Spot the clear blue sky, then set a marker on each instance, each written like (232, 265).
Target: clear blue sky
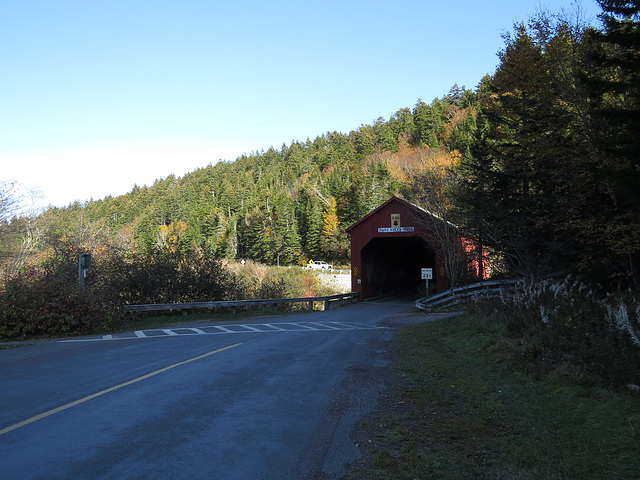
(99, 95)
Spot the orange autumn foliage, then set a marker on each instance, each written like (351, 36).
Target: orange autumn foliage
(411, 162)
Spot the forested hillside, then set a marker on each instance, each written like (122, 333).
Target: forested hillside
(284, 206)
(540, 162)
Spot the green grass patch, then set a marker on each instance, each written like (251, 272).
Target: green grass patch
(462, 411)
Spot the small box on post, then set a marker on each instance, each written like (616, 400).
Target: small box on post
(84, 262)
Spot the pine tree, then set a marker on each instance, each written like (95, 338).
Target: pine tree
(429, 122)
(614, 93)
(521, 187)
(286, 238)
(314, 225)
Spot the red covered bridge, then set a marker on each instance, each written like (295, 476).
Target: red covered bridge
(391, 245)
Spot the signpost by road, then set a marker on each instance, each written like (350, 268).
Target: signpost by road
(427, 274)
(84, 262)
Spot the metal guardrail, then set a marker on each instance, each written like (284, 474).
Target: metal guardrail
(455, 295)
(340, 298)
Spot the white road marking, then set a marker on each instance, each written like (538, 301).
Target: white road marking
(355, 325)
(325, 326)
(239, 328)
(224, 329)
(301, 325)
(274, 327)
(249, 327)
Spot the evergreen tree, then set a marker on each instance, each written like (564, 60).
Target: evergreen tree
(429, 122)
(313, 228)
(614, 93)
(402, 125)
(286, 238)
(520, 191)
(364, 141)
(386, 139)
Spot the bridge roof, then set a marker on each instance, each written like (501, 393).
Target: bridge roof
(403, 203)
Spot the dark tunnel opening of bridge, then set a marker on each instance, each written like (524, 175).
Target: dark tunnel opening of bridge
(393, 266)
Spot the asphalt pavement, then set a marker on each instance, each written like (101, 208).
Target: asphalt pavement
(271, 398)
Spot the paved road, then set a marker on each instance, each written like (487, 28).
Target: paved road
(271, 398)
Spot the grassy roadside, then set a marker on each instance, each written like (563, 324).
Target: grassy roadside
(461, 412)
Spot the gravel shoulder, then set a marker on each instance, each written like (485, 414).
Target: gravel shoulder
(371, 392)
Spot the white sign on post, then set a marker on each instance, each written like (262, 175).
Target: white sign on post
(427, 274)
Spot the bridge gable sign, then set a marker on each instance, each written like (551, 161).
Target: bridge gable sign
(395, 229)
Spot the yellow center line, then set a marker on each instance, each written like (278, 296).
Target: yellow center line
(90, 397)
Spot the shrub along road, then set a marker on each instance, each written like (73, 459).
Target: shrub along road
(270, 403)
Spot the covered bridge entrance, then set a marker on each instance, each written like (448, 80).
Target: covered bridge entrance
(390, 247)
